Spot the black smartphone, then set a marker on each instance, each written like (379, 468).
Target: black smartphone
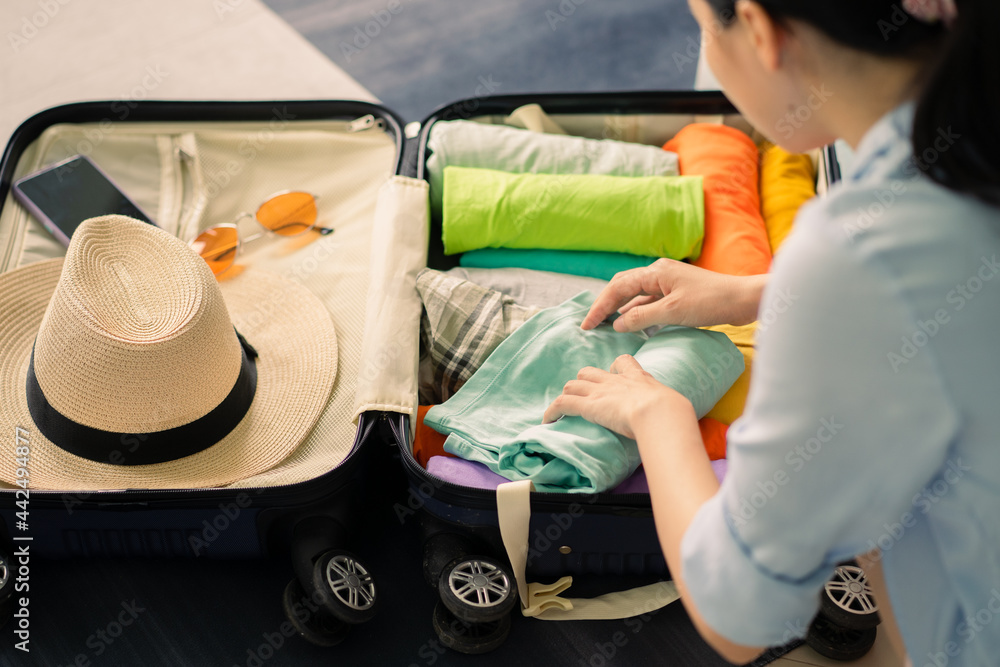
(65, 194)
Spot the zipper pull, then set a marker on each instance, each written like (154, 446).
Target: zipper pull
(364, 123)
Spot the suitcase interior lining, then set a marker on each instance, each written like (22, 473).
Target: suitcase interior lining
(189, 176)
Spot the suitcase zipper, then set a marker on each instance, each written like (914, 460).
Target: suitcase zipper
(477, 498)
(366, 122)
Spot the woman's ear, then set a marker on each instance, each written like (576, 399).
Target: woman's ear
(766, 37)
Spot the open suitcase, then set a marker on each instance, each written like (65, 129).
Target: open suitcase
(184, 163)
(192, 164)
(468, 531)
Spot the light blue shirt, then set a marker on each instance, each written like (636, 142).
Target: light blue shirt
(873, 418)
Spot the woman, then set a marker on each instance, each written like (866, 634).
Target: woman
(872, 427)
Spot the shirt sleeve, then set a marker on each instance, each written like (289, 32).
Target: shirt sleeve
(847, 418)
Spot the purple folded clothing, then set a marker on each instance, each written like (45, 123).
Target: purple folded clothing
(478, 476)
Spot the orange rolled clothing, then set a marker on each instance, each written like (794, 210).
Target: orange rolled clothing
(713, 434)
(426, 441)
(736, 241)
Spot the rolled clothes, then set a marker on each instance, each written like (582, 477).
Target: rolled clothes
(428, 444)
(496, 417)
(602, 265)
(713, 434)
(477, 476)
(463, 143)
(539, 289)
(730, 407)
(659, 216)
(787, 181)
(461, 324)
(736, 240)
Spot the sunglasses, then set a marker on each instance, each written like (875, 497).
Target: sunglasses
(284, 214)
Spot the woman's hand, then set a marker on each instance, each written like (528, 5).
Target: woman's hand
(672, 292)
(617, 400)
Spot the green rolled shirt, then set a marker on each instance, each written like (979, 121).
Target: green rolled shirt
(496, 417)
(658, 216)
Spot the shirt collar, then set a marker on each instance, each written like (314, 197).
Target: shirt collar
(884, 143)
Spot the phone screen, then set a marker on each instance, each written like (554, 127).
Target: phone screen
(68, 193)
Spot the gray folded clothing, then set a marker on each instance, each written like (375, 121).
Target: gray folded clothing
(463, 143)
(527, 287)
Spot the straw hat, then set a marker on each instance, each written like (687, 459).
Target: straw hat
(121, 368)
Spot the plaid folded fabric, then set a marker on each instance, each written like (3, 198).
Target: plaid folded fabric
(461, 325)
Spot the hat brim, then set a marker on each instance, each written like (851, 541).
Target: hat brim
(287, 324)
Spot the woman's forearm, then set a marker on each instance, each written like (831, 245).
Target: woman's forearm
(747, 295)
(681, 480)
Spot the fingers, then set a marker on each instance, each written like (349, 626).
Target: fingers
(641, 317)
(591, 374)
(638, 301)
(577, 388)
(622, 289)
(625, 363)
(564, 405)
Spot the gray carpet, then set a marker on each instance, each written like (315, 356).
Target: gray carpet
(416, 55)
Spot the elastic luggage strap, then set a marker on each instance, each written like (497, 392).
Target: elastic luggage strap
(542, 600)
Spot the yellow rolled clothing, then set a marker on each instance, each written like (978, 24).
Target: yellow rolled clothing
(730, 406)
(787, 181)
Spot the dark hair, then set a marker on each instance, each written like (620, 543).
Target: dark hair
(961, 90)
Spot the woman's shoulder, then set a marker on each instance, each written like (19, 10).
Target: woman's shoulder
(896, 229)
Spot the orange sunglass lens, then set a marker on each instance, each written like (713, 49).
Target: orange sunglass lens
(217, 246)
(289, 214)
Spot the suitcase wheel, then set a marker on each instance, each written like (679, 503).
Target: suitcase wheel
(477, 589)
(344, 587)
(313, 623)
(847, 599)
(469, 638)
(439, 550)
(838, 643)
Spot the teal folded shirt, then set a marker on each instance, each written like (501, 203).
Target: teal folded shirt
(496, 417)
(465, 143)
(603, 265)
(658, 216)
